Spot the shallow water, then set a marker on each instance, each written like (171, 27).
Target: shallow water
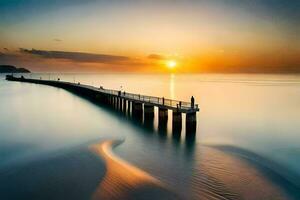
(246, 145)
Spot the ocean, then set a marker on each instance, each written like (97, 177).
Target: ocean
(57, 145)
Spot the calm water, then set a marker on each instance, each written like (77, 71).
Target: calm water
(247, 144)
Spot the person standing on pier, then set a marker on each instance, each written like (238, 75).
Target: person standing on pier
(192, 101)
(163, 99)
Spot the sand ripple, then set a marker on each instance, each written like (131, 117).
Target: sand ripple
(125, 181)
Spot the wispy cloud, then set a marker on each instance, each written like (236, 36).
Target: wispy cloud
(57, 40)
(7, 56)
(156, 57)
(76, 56)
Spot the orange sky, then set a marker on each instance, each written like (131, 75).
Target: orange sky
(201, 36)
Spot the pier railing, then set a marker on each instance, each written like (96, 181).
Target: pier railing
(175, 104)
(162, 102)
(134, 105)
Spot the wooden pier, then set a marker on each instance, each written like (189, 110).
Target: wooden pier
(140, 106)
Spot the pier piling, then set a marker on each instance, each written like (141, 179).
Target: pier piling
(124, 105)
(176, 122)
(119, 103)
(148, 111)
(191, 123)
(139, 106)
(162, 113)
(129, 107)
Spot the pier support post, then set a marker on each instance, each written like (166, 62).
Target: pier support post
(162, 120)
(119, 103)
(98, 97)
(113, 101)
(124, 106)
(137, 112)
(148, 116)
(176, 122)
(163, 113)
(105, 99)
(129, 107)
(116, 103)
(108, 99)
(148, 111)
(137, 109)
(191, 123)
(102, 99)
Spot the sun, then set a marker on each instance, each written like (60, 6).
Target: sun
(171, 64)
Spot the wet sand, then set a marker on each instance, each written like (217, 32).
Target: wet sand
(226, 174)
(125, 181)
(68, 174)
(80, 173)
(95, 172)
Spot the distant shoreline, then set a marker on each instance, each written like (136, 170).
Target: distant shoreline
(12, 69)
(251, 71)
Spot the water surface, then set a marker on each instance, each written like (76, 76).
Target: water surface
(246, 144)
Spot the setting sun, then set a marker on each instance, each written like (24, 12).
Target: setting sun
(171, 64)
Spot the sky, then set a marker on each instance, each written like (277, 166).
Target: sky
(144, 36)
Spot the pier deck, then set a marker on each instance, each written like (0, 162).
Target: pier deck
(136, 104)
(160, 102)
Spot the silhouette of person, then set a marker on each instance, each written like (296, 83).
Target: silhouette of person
(163, 99)
(179, 104)
(192, 101)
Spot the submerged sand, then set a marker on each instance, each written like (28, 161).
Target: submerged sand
(125, 181)
(97, 173)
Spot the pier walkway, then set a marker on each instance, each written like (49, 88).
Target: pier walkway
(136, 104)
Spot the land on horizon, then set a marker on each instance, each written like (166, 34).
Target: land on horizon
(222, 70)
(12, 69)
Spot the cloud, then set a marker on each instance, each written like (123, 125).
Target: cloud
(57, 40)
(156, 57)
(7, 56)
(76, 56)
